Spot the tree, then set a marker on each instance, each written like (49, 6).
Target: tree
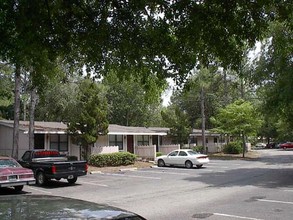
(178, 122)
(90, 115)
(239, 119)
(6, 91)
(273, 72)
(164, 37)
(130, 103)
(121, 34)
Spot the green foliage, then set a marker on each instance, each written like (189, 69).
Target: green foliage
(89, 117)
(112, 159)
(178, 122)
(273, 74)
(159, 154)
(130, 103)
(6, 91)
(237, 118)
(160, 36)
(198, 149)
(233, 148)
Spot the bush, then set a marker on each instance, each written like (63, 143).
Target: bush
(159, 154)
(112, 159)
(198, 149)
(233, 148)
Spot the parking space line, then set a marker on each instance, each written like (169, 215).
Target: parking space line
(92, 183)
(172, 173)
(235, 216)
(274, 201)
(125, 175)
(208, 166)
(288, 190)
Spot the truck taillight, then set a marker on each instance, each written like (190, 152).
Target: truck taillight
(86, 167)
(53, 169)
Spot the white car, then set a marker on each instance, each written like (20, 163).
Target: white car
(183, 157)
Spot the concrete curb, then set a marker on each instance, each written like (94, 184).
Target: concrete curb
(94, 172)
(129, 169)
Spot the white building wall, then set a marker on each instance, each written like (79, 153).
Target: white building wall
(102, 141)
(6, 141)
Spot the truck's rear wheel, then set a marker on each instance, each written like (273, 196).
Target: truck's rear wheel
(41, 179)
(72, 181)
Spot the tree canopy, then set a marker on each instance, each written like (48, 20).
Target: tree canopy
(238, 118)
(165, 38)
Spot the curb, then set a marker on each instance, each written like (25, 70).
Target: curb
(128, 169)
(94, 172)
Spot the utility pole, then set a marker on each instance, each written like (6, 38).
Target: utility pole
(203, 120)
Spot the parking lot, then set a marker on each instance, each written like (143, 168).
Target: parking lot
(223, 189)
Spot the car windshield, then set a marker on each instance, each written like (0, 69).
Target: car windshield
(191, 152)
(8, 163)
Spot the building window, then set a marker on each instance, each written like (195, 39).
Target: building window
(207, 140)
(142, 140)
(116, 140)
(59, 142)
(215, 140)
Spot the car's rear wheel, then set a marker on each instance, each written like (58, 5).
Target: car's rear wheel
(161, 163)
(188, 164)
(18, 188)
(199, 166)
(41, 179)
(72, 181)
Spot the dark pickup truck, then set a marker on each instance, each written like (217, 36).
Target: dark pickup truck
(49, 164)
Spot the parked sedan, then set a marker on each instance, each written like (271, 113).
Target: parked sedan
(286, 145)
(183, 157)
(46, 207)
(12, 174)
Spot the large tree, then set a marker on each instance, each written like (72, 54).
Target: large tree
(126, 34)
(273, 72)
(165, 37)
(6, 91)
(239, 119)
(178, 122)
(131, 103)
(89, 116)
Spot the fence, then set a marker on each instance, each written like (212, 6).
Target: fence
(146, 151)
(105, 149)
(165, 149)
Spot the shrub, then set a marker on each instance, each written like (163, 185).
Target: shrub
(159, 154)
(198, 149)
(112, 159)
(233, 148)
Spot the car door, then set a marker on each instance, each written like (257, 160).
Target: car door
(181, 158)
(171, 158)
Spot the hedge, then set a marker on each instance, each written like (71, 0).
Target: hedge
(233, 148)
(112, 159)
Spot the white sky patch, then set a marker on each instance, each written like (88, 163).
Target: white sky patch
(166, 96)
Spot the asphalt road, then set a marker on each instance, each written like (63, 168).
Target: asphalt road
(223, 189)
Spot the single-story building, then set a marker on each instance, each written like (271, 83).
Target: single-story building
(142, 141)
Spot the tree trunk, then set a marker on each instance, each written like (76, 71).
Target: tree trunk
(32, 118)
(244, 145)
(203, 124)
(226, 100)
(15, 144)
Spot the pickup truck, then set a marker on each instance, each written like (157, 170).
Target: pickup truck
(50, 164)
